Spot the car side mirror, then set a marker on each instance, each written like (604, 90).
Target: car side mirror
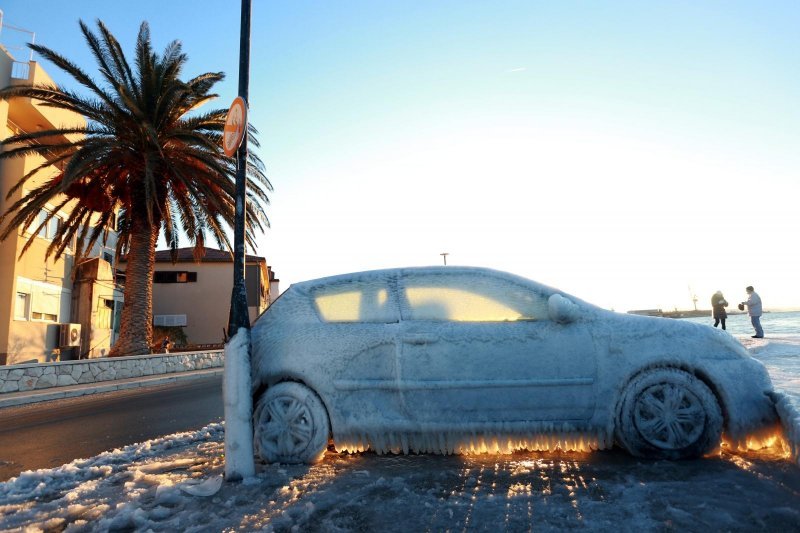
(562, 310)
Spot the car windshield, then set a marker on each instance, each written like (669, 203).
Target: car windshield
(470, 298)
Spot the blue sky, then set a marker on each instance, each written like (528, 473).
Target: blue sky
(632, 153)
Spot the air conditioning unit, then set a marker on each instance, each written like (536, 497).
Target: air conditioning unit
(70, 335)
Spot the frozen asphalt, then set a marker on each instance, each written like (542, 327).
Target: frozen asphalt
(12, 399)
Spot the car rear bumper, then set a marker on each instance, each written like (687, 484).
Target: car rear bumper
(744, 388)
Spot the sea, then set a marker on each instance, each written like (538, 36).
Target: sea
(774, 323)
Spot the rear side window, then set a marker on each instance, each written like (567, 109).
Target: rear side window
(470, 298)
(356, 301)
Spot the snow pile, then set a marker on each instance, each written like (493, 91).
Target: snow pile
(122, 489)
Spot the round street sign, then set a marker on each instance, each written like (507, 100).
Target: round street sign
(235, 123)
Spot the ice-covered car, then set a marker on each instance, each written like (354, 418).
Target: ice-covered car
(456, 359)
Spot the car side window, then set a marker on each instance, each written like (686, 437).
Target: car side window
(356, 301)
(470, 298)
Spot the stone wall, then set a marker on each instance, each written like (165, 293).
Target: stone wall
(36, 376)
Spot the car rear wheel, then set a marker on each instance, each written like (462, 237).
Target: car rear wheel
(290, 425)
(668, 414)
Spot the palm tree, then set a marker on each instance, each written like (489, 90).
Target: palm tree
(145, 154)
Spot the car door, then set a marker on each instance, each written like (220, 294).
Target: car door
(476, 349)
(357, 341)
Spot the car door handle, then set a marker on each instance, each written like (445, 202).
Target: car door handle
(419, 338)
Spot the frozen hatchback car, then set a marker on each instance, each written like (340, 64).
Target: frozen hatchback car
(454, 360)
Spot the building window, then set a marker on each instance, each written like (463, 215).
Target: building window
(51, 228)
(174, 276)
(38, 301)
(105, 313)
(22, 306)
(108, 257)
(47, 317)
(45, 304)
(39, 220)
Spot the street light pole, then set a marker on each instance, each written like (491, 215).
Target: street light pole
(239, 462)
(444, 256)
(238, 316)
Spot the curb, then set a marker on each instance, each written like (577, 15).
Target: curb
(16, 399)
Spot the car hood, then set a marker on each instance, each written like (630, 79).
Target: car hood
(695, 339)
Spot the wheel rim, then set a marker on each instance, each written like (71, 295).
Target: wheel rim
(286, 427)
(669, 417)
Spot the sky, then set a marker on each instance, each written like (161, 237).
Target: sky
(633, 154)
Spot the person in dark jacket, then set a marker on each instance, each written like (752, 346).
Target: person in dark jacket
(718, 305)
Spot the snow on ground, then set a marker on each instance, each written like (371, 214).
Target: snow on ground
(175, 483)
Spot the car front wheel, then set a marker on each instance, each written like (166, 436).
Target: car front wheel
(668, 414)
(290, 425)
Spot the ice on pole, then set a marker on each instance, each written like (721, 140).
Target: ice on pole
(239, 460)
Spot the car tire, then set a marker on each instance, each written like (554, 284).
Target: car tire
(668, 414)
(290, 425)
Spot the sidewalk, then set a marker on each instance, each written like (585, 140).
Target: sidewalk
(12, 399)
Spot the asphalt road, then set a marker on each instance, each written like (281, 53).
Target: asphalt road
(51, 434)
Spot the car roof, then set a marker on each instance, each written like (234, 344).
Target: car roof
(304, 286)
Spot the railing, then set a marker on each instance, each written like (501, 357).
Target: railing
(47, 154)
(20, 70)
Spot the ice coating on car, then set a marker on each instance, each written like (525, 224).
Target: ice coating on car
(464, 360)
(790, 420)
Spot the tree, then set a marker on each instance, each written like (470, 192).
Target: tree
(145, 153)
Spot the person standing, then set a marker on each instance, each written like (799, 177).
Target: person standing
(718, 305)
(753, 304)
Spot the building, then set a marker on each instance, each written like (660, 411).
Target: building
(274, 286)
(196, 294)
(44, 314)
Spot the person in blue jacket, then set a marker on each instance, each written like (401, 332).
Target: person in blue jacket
(753, 304)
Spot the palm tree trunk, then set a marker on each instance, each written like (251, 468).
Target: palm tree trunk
(136, 323)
